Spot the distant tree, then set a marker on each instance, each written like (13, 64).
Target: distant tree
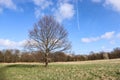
(83, 57)
(70, 58)
(115, 53)
(92, 56)
(1, 57)
(38, 56)
(105, 56)
(60, 56)
(48, 36)
(15, 55)
(8, 56)
(25, 57)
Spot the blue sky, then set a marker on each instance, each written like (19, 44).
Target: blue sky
(93, 25)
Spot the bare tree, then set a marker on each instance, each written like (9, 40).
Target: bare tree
(48, 36)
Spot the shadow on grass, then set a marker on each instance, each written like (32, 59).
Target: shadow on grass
(2, 73)
(23, 66)
(4, 68)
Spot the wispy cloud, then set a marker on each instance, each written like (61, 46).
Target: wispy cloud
(114, 4)
(7, 4)
(41, 5)
(11, 44)
(107, 35)
(62, 9)
(96, 1)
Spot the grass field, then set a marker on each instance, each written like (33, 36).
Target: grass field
(86, 70)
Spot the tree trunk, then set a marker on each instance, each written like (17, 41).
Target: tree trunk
(46, 59)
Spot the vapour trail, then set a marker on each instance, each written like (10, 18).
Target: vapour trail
(78, 24)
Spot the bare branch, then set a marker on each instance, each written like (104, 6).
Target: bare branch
(49, 36)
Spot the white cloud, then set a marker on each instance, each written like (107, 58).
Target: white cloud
(7, 4)
(114, 4)
(11, 44)
(88, 40)
(43, 3)
(65, 11)
(21, 43)
(108, 35)
(6, 42)
(96, 1)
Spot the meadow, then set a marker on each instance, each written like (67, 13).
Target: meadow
(82, 70)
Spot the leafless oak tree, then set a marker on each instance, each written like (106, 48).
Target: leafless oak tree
(48, 36)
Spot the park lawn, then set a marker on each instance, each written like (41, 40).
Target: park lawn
(84, 70)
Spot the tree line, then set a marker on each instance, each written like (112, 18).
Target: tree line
(11, 56)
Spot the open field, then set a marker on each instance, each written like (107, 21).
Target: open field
(85, 70)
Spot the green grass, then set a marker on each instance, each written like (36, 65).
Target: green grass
(88, 70)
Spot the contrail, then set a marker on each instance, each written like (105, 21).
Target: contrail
(78, 24)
